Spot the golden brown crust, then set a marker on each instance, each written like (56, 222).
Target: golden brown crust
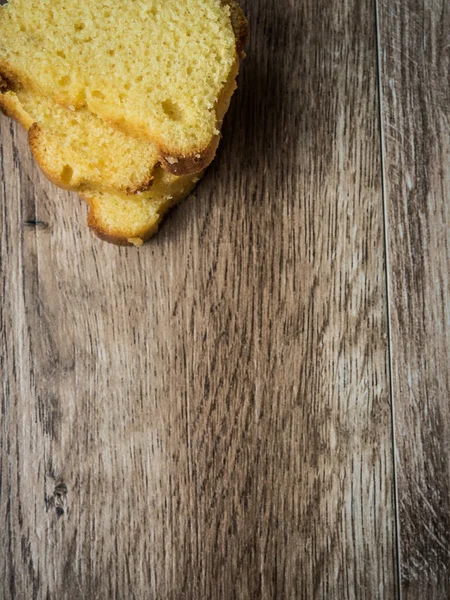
(6, 109)
(4, 85)
(12, 109)
(144, 186)
(190, 165)
(239, 24)
(8, 79)
(104, 235)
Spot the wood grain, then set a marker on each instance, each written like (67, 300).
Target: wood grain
(209, 416)
(415, 39)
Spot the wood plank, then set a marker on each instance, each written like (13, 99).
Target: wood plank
(415, 44)
(209, 416)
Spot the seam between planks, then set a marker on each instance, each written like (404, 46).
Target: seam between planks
(388, 293)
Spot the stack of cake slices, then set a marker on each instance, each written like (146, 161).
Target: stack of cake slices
(123, 101)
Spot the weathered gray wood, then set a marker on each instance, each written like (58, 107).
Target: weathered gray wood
(209, 417)
(415, 43)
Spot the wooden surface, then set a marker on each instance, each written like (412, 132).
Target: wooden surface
(213, 415)
(416, 119)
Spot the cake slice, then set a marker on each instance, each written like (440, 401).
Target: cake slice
(125, 220)
(76, 149)
(160, 70)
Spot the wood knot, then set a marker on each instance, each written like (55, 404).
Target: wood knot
(58, 500)
(35, 224)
